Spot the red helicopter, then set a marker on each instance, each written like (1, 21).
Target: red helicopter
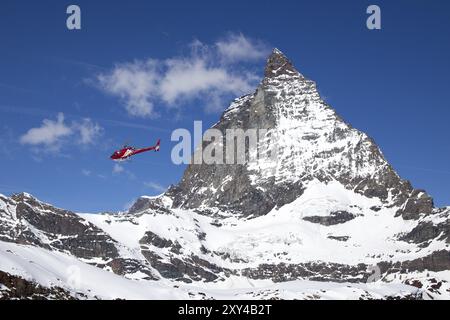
(128, 151)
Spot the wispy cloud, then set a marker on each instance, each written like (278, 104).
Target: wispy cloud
(39, 112)
(135, 83)
(53, 134)
(80, 63)
(118, 169)
(50, 133)
(91, 174)
(208, 73)
(155, 186)
(88, 131)
(237, 47)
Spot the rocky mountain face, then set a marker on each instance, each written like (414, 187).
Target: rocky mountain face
(312, 142)
(323, 216)
(25, 220)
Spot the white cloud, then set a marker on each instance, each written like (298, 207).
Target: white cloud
(53, 134)
(135, 83)
(207, 73)
(194, 78)
(86, 172)
(50, 133)
(155, 186)
(88, 130)
(237, 47)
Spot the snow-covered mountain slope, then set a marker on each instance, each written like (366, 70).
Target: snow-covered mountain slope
(328, 217)
(298, 232)
(262, 257)
(66, 277)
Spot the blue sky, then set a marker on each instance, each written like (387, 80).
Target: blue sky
(391, 83)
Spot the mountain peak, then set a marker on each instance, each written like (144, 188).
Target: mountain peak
(312, 143)
(21, 196)
(278, 64)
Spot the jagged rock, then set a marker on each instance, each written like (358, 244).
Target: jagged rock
(148, 203)
(278, 64)
(427, 231)
(339, 238)
(317, 271)
(437, 261)
(192, 268)
(335, 217)
(19, 288)
(419, 202)
(64, 230)
(123, 266)
(153, 239)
